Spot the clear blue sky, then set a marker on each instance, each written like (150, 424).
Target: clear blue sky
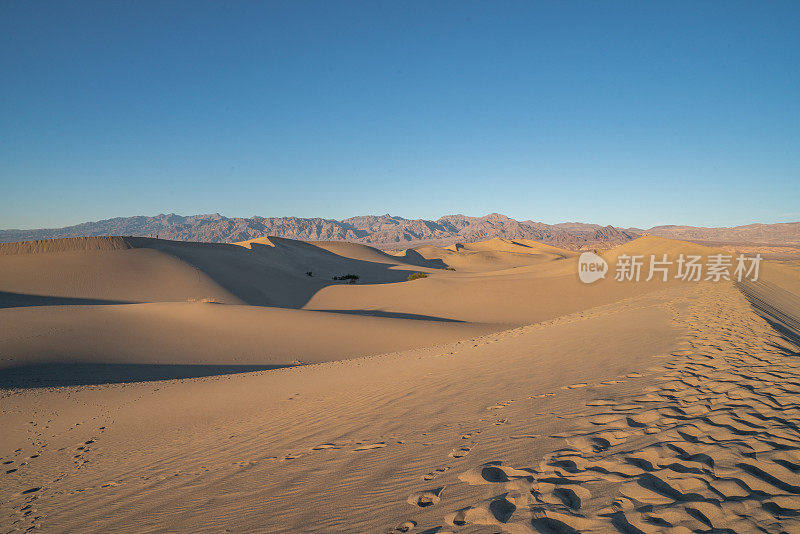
(626, 113)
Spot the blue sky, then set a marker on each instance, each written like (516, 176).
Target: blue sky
(625, 113)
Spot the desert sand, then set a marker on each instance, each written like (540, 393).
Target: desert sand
(158, 386)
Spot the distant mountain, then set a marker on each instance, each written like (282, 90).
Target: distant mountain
(768, 234)
(382, 231)
(577, 226)
(391, 232)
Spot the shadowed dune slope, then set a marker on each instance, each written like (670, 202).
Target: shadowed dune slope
(200, 333)
(272, 273)
(776, 297)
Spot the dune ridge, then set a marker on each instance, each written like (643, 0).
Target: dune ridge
(68, 244)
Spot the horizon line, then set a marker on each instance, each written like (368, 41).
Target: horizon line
(385, 215)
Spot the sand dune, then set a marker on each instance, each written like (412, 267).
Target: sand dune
(268, 273)
(511, 288)
(494, 254)
(517, 246)
(53, 296)
(170, 303)
(504, 396)
(167, 333)
(659, 246)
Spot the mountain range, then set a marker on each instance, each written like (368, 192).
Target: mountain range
(392, 232)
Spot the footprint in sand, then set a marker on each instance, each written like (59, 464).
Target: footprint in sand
(371, 446)
(435, 473)
(459, 453)
(601, 402)
(575, 386)
(493, 513)
(500, 405)
(426, 498)
(325, 446)
(406, 526)
(493, 472)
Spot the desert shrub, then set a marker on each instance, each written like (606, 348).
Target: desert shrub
(351, 277)
(449, 268)
(414, 276)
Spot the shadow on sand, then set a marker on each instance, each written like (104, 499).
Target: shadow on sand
(19, 300)
(778, 307)
(47, 375)
(393, 315)
(261, 275)
(275, 275)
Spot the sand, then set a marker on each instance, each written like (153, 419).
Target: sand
(504, 396)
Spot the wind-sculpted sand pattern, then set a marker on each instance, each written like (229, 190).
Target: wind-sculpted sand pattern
(714, 447)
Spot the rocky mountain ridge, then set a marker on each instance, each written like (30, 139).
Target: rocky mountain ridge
(393, 232)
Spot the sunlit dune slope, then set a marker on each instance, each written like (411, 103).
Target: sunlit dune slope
(659, 246)
(511, 282)
(494, 254)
